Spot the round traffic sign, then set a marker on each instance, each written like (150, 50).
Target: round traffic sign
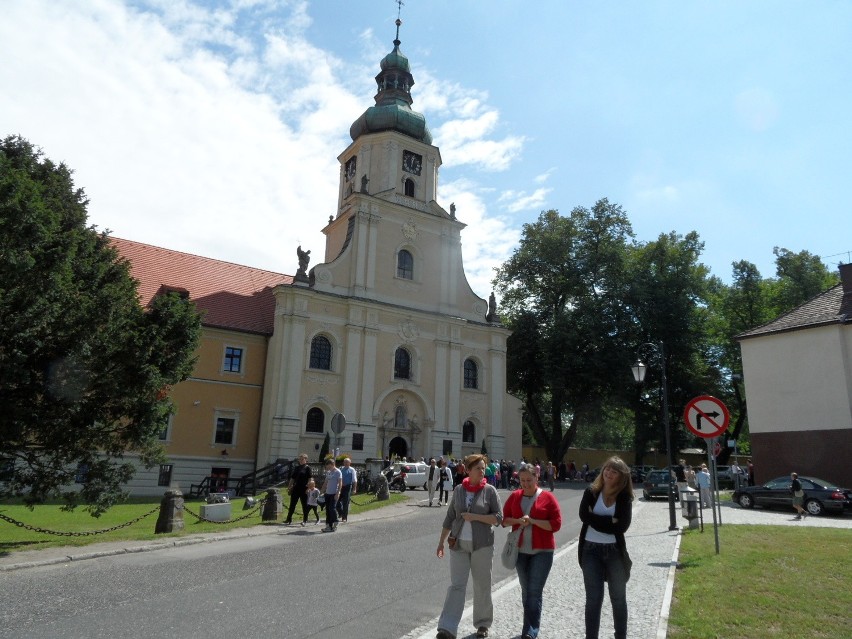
(706, 416)
(338, 423)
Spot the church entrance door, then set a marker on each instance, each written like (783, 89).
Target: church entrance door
(397, 448)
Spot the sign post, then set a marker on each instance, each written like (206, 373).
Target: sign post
(338, 425)
(708, 418)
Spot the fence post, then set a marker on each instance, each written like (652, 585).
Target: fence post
(171, 513)
(272, 507)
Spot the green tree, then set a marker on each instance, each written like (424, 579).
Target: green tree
(800, 276)
(561, 294)
(85, 370)
(668, 301)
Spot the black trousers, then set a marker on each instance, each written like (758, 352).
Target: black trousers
(295, 497)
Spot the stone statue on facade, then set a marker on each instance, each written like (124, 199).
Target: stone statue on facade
(492, 309)
(453, 211)
(364, 182)
(304, 259)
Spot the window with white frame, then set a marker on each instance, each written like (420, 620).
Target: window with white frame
(469, 432)
(321, 353)
(315, 421)
(405, 265)
(471, 374)
(165, 476)
(402, 364)
(233, 362)
(226, 428)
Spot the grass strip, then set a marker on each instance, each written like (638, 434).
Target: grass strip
(767, 582)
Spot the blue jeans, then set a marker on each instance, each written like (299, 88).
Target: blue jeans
(532, 574)
(343, 502)
(603, 562)
(330, 509)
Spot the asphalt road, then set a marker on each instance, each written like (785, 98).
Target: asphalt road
(373, 578)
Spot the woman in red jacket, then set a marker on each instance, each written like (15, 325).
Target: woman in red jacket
(537, 513)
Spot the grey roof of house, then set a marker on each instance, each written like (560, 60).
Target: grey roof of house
(821, 310)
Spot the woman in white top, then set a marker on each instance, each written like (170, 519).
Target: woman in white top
(606, 511)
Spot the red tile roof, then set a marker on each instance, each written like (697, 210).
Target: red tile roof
(230, 296)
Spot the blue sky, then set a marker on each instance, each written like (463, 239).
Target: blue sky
(213, 127)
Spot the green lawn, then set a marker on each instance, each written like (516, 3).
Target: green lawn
(52, 517)
(767, 581)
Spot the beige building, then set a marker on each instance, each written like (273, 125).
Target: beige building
(385, 331)
(798, 382)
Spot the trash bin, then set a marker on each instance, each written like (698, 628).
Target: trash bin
(689, 501)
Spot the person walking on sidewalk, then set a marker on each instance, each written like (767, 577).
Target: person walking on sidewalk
(798, 496)
(331, 489)
(433, 478)
(446, 485)
(537, 514)
(702, 479)
(473, 510)
(350, 487)
(606, 511)
(297, 487)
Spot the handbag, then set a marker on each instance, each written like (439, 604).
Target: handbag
(509, 556)
(628, 563)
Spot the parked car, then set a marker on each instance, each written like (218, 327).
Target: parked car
(656, 484)
(638, 472)
(415, 473)
(725, 476)
(820, 496)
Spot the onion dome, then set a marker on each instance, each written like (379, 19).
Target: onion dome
(392, 111)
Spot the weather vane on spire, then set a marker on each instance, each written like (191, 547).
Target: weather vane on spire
(398, 21)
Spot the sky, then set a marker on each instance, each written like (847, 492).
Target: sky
(214, 126)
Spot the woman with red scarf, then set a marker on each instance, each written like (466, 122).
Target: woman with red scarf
(468, 528)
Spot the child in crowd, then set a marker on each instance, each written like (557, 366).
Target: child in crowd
(313, 496)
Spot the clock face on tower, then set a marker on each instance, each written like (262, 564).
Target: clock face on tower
(411, 162)
(349, 169)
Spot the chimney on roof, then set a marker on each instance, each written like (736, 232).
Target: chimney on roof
(846, 282)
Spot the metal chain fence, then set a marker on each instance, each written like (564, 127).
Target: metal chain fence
(86, 533)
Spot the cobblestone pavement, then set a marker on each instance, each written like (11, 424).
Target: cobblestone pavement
(653, 549)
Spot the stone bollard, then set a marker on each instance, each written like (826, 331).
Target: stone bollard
(171, 513)
(272, 506)
(382, 492)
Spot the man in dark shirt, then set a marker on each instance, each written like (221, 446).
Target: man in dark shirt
(297, 487)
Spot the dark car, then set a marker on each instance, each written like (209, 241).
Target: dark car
(820, 496)
(656, 484)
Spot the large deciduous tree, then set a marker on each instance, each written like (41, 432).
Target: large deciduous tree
(562, 295)
(84, 369)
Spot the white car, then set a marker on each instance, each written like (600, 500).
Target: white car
(415, 473)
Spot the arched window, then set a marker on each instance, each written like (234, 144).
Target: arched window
(469, 432)
(321, 353)
(402, 364)
(315, 422)
(409, 187)
(471, 374)
(405, 265)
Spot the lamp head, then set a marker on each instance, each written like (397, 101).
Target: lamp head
(639, 369)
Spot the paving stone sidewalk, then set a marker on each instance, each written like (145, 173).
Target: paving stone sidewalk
(653, 551)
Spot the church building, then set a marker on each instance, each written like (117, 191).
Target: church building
(386, 330)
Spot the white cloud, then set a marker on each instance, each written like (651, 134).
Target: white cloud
(515, 201)
(756, 109)
(216, 131)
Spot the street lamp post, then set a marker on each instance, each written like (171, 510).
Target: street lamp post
(639, 369)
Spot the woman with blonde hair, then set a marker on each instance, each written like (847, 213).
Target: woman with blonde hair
(606, 511)
(472, 512)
